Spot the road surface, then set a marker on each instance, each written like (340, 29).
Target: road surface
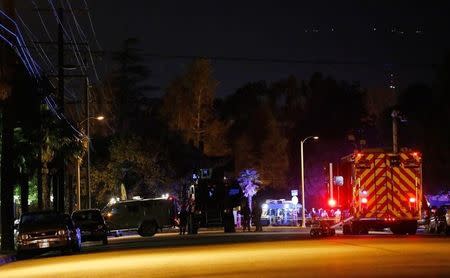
(250, 255)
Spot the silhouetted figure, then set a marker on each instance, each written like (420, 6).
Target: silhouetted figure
(183, 220)
(246, 218)
(228, 221)
(256, 216)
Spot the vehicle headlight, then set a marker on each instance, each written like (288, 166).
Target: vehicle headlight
(61, 232)
(24, 236)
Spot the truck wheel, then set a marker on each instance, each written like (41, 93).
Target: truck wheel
(148, 228)
(358, 228)
(22, 255)
(397, 230)
(447, 230)
(346, 230)
(412, 229)
(412, 232)
(363, 231)
(76, 246)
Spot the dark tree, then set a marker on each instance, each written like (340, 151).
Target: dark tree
(129, 82)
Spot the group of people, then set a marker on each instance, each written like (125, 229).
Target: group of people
(324, 214)
(188, 220)
(249, 216)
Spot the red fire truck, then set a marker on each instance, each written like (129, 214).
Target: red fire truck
(380, 189)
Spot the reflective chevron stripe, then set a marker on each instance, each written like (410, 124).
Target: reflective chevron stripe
(388, 188)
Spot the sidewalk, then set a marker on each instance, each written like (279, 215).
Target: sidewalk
(281, 229)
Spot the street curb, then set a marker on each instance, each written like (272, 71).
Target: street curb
(4, 259)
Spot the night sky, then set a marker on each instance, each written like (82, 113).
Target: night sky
(378, 44)
(403, 38)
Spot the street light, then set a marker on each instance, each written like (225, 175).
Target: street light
(303, 177)
(98, 118)
(88, 168)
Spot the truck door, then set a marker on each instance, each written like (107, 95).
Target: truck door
(119, 216)
(133, 215)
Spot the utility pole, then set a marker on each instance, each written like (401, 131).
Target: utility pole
(60, 187)
(61, 75)
(88, 152)
(395, 115)
(331, 181)
(7, 70)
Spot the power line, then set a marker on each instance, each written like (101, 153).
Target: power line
(286, 61)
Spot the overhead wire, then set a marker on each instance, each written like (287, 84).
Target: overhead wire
(32, 67)
(38, 48)
(88, 48)
(18, 49)
(42, 21)
(24, 53)
(92, 25)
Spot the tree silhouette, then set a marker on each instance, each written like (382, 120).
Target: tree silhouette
(188, 107)
(249, 181)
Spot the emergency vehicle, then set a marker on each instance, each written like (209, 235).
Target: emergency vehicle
(380, 189)
(146, 216)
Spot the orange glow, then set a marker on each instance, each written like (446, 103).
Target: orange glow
(332, 202)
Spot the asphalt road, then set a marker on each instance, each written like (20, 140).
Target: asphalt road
(279, 254)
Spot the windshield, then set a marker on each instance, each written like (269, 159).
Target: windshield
(41, 219)
(85, 216)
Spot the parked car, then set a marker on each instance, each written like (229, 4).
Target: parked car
(443, 219)
(432, 225)
(92, 225)
(40, 232)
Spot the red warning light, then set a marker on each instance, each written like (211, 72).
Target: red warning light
(364, 200)
(412, 200)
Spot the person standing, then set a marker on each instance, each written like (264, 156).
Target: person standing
(183, 219)
(246, 218)
(256, 216)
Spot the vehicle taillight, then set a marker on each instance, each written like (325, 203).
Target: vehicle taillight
(364, 200)
(24, 236)
(412, 200)
(61, 232)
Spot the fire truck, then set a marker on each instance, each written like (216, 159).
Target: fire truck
(380, 189)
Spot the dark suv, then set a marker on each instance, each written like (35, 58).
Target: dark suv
(39, 232)
(91, 224)
(443, 219)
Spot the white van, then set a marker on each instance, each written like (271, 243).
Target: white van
(145, 216)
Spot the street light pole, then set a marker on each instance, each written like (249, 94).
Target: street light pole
(303, 177)
(88, 165)
(78, 184)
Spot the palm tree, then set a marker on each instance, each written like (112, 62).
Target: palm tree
(249, 181)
